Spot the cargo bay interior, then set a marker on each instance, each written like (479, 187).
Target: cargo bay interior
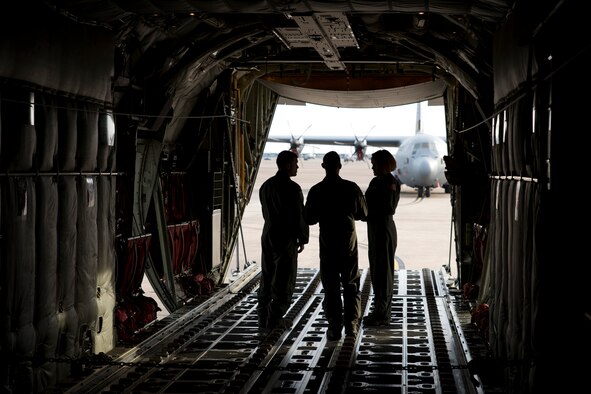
(131, 135)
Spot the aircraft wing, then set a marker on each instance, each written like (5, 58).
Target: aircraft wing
(348, 140)
(393, 141)
(280, 138)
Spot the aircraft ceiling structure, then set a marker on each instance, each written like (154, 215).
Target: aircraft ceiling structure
(335, 49)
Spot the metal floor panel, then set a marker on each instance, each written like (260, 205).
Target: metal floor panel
(217, 347)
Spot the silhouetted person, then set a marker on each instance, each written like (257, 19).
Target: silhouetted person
(335, 204)
(382, 197)
(284, 235)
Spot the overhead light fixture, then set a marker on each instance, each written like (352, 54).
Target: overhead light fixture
(325, 32)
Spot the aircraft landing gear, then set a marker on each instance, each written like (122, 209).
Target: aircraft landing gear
(421, 190)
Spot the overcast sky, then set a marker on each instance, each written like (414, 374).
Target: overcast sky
(319, 120)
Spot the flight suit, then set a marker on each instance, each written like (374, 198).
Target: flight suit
(382, 195)
(284, 230)
(335, 204)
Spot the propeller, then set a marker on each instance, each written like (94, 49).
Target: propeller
(297, 144)
(360, 145)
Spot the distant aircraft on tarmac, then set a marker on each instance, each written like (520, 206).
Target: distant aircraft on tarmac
(420, 163)
(419, 158)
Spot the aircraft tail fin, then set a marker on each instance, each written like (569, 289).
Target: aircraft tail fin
(419, 126)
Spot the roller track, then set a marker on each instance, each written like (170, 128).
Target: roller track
(217, 347)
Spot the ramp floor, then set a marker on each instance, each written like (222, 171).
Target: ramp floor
(214, 345)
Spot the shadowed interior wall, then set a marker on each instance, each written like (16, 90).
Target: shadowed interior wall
(57, 291)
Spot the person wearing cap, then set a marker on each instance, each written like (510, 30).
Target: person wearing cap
(382, 196)
(335, 204)
(284, 235)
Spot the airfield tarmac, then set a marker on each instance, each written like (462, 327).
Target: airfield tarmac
(423, 224)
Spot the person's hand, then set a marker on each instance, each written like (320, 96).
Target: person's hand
(300, 248)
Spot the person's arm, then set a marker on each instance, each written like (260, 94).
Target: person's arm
(301, 248)
(360, 205)
(303, 231)
(311, 208)
(396, 195)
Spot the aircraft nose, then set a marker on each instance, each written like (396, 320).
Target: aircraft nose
(424, 171)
